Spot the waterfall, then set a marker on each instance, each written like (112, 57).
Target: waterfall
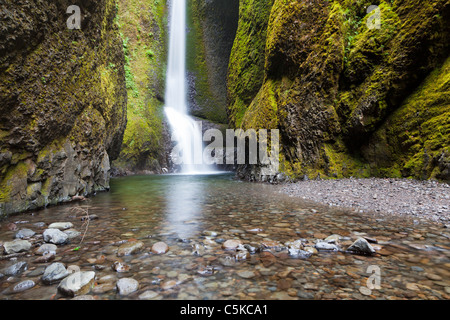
(189, 149)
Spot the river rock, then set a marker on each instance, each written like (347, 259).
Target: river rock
(361, 246)
(209, 233)
(61, 225)
(16, 269)
(125, 286)
(325, 246)
(77, 284)
(148, 295)
(160, 248)
(334, 238)
(46, 258)
(246, 274)
(130, 248)
(24, 234)
(231, 244)
(16, 246)
(299, 253)
(24, 285)
(120, 266)
(46, 248)
(55, 236)
(72, 233)
(54, 272)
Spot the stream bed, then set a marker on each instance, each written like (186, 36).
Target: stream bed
(197, 217)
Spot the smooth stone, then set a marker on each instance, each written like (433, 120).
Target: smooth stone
(16, 269)
(334, 238)
(104, 287)
(361, 246)
(46, 257)
(246, 274)
(166, 285)
(271, 244)
(24, 234)
(16, 246)
(148, 295)
(61, 225)
(78, 283)
(160, 248)
(365, 291)
(231, 244)
(46, 248)
(24, 285)
(125, 286)
(305, 295)
(84, 297)
(210, 233)
(120, 266)
(325, 246)
(54, 272)
(72, 233)
(130, 248)
(55, 236)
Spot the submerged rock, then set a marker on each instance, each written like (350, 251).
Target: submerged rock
(325, 246)
(55, 236)
(160, 248)
(78, 283)
(125, 286)
(130, 248)
(231, 244)
(61, 225)
(24, 234)
(16, 269)
(361, 246)
(54, 272)
(16, 246)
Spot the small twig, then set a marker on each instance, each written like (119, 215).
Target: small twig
(86, 220)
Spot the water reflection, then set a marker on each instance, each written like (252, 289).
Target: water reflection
(184, 197)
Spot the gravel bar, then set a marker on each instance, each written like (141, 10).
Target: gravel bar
(427, 199)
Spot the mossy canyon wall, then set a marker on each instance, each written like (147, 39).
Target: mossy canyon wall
(348, 98)
(63, 101)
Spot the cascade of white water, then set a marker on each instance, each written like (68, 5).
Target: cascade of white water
(189, 150)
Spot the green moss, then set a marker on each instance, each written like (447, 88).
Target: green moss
(246, 66)
(142, 26)
(416, 135)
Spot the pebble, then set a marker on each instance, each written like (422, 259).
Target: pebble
(231, 244)
(16, 246)
(130, 248)
(61, 225)
(361, 246)
(46, 248)
(24, 234)
(166, 285)
(78, 283)
(246, 274)
(16, 269)
(125, 286)
(54, 273)
(24, 285)
(55, 236)
(160, 248)
(148, 295)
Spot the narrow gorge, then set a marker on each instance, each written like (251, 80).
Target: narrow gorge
(100, 100)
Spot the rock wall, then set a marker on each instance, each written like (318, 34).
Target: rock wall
(62, 101)
(212, 28)
(349, 98)
(143, 27)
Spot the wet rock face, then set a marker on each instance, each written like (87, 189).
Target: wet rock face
(335, 87)
(212, 29)
(63, 110)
